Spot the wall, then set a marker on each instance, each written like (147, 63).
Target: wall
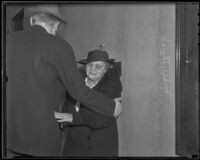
(142, 37)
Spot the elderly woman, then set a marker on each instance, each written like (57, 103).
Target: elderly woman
(90, 134)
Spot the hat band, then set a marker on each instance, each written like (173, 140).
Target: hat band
(97, 59)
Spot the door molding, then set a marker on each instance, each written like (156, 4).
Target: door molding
(186, 82)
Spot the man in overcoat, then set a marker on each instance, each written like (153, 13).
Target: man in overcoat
(40, 68)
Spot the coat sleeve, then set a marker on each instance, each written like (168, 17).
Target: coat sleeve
(91, 119)
(86, 117)
(111, 88)
(68, 74)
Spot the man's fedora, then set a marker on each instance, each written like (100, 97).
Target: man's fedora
(96, 55)
(51, 9)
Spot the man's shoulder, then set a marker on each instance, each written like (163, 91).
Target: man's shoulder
(61, 42)
(41, 40)
(37, 33)
(55, 41)
(15, 35)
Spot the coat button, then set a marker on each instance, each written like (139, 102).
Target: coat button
(88, 137)
(89, 147)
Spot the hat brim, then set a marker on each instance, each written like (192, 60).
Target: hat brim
(86, 61)
(33, 10)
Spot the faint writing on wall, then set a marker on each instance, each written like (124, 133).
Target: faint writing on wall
(164, 65)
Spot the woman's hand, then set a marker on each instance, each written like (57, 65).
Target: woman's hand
(118, 107)
(63, 117)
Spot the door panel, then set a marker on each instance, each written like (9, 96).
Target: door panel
(187, 93)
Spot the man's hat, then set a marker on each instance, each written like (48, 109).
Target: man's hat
(96, 55)
(51, 9)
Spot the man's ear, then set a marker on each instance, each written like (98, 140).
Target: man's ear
(32, 21)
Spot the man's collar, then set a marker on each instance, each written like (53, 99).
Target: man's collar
(39, 28)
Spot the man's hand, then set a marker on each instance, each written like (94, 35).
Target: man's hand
(118, 107)
(119, 99)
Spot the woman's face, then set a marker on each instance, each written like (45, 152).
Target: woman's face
(95, 70)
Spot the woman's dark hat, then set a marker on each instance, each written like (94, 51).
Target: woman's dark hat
(96, 55)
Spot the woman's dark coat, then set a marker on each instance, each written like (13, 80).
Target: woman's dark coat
(40, 68)
(91, 133)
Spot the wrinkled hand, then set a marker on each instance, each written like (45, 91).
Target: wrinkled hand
(63, 117)
(118, 107)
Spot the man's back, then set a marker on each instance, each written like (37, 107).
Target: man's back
(33, 93)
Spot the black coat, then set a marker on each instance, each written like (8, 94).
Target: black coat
(40, 68)
(91, 133)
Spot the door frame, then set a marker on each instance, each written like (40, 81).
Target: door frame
(180, 13)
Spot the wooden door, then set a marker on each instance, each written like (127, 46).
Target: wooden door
(187, 82)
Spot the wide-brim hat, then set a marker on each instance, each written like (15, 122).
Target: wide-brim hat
(51, 9)
(96, 55)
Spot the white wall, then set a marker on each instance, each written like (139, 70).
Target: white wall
(147, 125)
(142, 37)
